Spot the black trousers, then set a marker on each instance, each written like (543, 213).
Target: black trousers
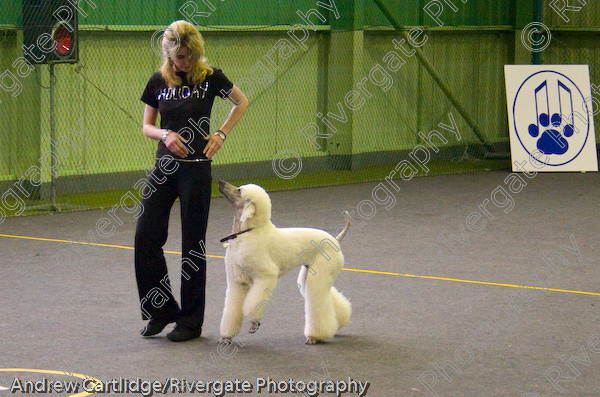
(191, 182)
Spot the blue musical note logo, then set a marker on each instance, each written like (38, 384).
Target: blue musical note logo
(558, 130)
(552, 140)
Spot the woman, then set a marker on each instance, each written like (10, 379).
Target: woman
(182, 92)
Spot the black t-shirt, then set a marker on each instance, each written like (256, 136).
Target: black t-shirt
(186, 109)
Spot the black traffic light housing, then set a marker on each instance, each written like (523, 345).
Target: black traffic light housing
(50, 31)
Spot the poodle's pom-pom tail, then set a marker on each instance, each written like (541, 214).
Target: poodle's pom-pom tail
(340, 236)
(343, 308)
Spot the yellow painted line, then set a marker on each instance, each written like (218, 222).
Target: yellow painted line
(458, 280)
(52, 372)
(371, 271)
(86, 243)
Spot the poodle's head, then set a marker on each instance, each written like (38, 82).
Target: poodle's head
(250, 202)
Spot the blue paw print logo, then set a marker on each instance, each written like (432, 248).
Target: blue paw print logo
(551, 118)
(553, 139)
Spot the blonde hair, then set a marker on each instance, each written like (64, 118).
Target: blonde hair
(183, 34)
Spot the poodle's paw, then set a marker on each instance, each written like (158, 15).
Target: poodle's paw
(311, 341)
(225, 341)
(254, 325)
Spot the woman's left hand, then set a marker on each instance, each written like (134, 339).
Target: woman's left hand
(214, 144)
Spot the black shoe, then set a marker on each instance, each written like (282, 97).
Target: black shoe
(154, 327)
(181, 333)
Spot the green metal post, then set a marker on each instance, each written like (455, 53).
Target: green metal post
(344, 71)
(537, 17)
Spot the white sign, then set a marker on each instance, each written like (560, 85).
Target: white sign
(551, 118)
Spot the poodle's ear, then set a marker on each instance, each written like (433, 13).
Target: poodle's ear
(248, 212)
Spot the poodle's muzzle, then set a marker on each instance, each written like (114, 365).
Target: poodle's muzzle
(232, 193)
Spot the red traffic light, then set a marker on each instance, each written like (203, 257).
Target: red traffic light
(63, 38)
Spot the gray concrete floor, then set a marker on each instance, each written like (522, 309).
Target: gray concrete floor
(74, 308)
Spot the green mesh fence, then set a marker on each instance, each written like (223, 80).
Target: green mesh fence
(340, 92)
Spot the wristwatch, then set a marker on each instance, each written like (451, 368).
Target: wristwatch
(164, 134)
(221, 134)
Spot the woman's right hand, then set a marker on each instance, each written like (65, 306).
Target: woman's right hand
(175, 143)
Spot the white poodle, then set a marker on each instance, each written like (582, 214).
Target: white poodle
(258, 253)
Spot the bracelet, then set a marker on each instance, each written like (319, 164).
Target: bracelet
(164, 134)
(221, 134)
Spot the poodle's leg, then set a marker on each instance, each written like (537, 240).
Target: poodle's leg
(318, 328)
(231, 321)
(302, 280)
(343, 308)
(254, 325)
(256, 300)
(321, 319)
